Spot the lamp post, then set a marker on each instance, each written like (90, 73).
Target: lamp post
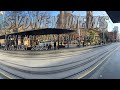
(60, 24)
(78, 30)
(103, 36)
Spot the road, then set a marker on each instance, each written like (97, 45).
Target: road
(93, 63)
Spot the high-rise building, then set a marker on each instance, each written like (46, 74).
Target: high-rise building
(115, 28)
(115, 33)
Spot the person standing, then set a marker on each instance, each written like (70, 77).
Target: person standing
(83, 44)
(54, 45)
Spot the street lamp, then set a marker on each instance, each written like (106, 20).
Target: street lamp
(103, 36)
(78, 29)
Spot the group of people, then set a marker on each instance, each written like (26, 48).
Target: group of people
(49, 46)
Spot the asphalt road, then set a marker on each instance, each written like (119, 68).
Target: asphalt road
(112, 67)
(95, 63)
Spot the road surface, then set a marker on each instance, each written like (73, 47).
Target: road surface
(95, 63)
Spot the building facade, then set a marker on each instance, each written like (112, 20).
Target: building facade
(89, 18)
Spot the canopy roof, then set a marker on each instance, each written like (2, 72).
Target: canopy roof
(114, 15)
(41, 32)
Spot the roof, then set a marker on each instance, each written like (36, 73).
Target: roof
(45, 31)
(114, 15)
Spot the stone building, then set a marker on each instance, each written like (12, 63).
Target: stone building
(89, 18)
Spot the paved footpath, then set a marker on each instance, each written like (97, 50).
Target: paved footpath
(47, 59)
(50, 51)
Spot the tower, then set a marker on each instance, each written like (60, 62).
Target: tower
(60, 22)
(89, 18)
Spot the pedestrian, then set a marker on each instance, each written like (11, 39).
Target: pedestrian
(47, 46)
(55, 45)
(83, 44)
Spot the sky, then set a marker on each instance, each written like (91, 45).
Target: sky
(95, 13)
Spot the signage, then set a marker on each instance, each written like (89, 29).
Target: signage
(40, 22)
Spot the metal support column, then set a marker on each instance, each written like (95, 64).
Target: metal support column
(68, 40)
(58, 41)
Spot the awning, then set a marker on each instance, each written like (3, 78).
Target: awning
(41, 32)
(114, 16)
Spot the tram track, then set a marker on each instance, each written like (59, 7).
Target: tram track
(55, 65)
(7, 75)
(50, 56)
(99, 63)
(62, 70)
(55, 71)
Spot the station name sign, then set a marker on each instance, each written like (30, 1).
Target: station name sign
(40, 22)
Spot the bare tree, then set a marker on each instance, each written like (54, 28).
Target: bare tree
(31, 14)
(14, 14)
(39, 15)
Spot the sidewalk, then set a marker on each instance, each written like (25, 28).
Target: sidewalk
(66, 55)
(51, 51)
